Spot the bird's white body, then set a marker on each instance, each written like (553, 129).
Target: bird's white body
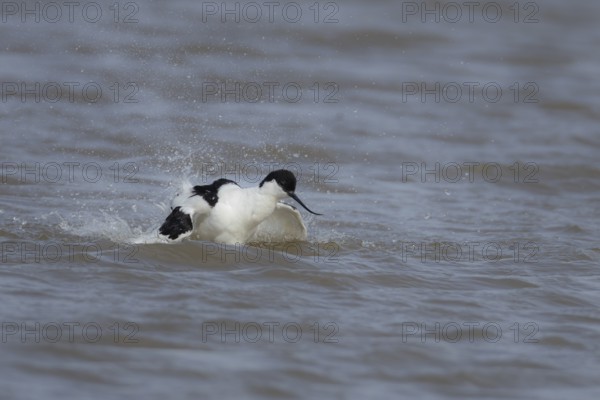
(238, 213)
(226, 213)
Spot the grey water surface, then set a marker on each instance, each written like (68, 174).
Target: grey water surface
(453, 150)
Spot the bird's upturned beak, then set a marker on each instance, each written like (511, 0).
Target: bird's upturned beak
(293, 196)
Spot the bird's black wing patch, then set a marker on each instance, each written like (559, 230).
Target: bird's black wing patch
(176, 224)
(209, 192)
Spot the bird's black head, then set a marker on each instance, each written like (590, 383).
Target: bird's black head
(284, 178)
(287, 182)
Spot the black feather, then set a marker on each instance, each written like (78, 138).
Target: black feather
(176, 224)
